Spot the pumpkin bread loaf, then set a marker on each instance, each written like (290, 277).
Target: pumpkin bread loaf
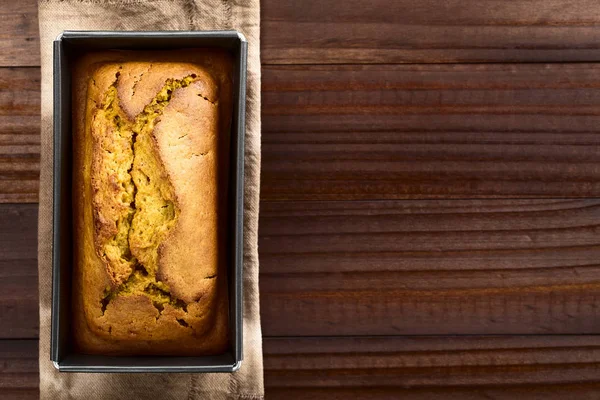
(150, 134)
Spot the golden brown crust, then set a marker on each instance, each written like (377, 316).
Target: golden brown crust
(150, 143)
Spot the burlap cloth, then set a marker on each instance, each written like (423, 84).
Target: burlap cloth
(243, 15)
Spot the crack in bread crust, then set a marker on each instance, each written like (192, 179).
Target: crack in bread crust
(134, 199)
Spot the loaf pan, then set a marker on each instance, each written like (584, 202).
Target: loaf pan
(66, 47)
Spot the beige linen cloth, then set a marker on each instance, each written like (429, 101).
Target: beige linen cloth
(242, 15)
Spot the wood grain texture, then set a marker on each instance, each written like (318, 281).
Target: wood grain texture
(430, 131)
(588, 391)
(389, 132)
(434, 367)
(19, 134)
(19, 369)
(18, 271)
(542, 367)
(429, 31)
(430, 267)
(386, 31)
(387, 268)
(19, 38)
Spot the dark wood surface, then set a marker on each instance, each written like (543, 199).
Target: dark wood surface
(387, 31)
(429, 31)
(420, 176)
(19, 134)
(430, 131)
(392, 367)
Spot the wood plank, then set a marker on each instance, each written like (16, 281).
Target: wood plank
(19, 369)
(389, 132)
(430, 131)
(430, 267)
(434, 367)
(386, 31)
(19, 134)
(429, 31)
(18, 271)
(541, 367)
(500, 392)
(385, 268)
(19, 38)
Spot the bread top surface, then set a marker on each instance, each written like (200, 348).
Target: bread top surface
(148, 189)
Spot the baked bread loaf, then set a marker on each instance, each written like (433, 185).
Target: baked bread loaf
(150, 142)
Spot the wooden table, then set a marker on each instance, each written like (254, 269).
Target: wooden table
(429, 168)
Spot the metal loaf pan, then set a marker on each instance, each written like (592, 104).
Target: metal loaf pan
(66, 47)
